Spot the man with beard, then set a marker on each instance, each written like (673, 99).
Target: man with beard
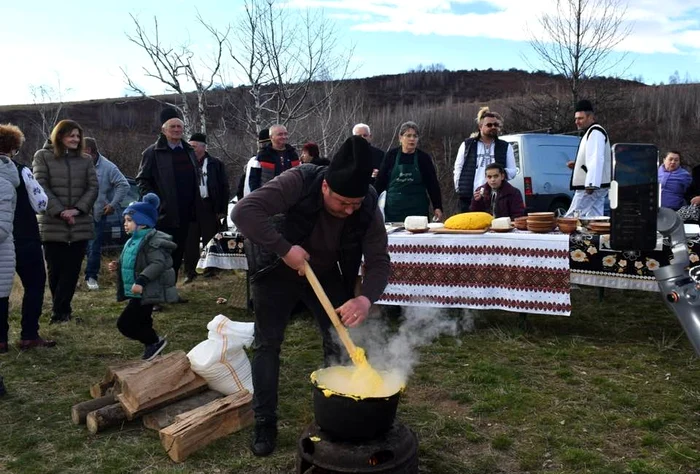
(592, 170)
(477, 152)
(329, 217)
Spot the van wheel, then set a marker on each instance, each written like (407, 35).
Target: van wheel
(559, 207)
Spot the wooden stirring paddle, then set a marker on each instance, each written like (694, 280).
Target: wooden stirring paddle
(330, 310)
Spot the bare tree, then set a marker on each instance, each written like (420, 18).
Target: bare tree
(49, 101)
(280, 55)
(577, 40)
(176, 68)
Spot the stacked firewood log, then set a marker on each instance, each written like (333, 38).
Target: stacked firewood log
(170, 398)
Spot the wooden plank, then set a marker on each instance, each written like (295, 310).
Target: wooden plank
(196, 386)
(158, 378)
(165, 416)
(80, 411)
(199, 427)
(105, 417)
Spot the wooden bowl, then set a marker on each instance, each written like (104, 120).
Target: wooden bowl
(540, 228)
(567, 228)
(541, 214)
(568, 220)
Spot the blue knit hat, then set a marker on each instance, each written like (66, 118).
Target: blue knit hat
(144, 212)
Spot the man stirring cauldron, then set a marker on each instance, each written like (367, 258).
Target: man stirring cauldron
(326, 215)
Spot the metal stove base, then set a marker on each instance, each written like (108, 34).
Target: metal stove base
(394, 452)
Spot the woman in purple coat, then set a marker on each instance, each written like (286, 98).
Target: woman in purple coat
(674, 181)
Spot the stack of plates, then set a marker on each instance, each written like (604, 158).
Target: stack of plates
(541, 222)
(599, 227)
(520, 223)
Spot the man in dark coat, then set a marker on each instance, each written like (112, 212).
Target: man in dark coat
(212, 207)
(169, 169)
(362, 130)
(328, 217)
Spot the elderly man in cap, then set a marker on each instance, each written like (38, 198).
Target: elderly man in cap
(169, 169)
(253, 164)
(592, 170)
(212, 207)
(329, 217)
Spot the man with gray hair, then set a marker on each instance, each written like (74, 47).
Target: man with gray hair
(112, 189)
(274, 159)
(363, 131)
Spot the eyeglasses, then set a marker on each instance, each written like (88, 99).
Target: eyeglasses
(492, 125)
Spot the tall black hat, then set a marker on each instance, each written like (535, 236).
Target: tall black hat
(584, 106)
(350, 171)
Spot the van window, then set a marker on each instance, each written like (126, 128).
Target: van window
(516, 152)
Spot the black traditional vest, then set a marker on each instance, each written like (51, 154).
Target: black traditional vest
(25, 224)
(298, 222)
(466, 178)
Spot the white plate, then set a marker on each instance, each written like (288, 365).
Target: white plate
(436, 225)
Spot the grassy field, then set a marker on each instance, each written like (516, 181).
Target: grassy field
(615, 388)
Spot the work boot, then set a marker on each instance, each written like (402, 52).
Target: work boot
(264, 439)
(92, 284)
(189, 279)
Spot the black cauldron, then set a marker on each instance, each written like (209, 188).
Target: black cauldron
(347, 418)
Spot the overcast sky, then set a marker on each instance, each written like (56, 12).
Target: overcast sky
(76, 49)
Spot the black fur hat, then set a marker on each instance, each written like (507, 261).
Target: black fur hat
(584, 106)
(167, 114)
(350, 171)
(198, 137)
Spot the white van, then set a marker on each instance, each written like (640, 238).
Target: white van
(543, 177)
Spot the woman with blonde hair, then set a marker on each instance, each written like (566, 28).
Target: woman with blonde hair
(482, 148)
(70, 182)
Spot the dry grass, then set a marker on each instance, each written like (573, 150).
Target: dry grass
(612, 389)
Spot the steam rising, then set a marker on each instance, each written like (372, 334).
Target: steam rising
(398, 350)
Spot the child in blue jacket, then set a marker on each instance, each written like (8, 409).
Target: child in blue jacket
(145, 274)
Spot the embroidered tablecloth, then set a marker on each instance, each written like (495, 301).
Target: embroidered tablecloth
(594, 263)
(224, 251)
(514, 271)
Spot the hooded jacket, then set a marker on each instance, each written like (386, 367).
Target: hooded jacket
(70, 182)
(153, 269)
(9, 180)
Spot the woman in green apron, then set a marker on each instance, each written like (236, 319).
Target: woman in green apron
(409, 179)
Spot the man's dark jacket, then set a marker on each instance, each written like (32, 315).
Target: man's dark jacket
(271, 166)
(217, 184)
(156, 175)
(298, 222)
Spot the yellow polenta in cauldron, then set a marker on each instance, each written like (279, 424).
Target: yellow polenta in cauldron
(357, 381)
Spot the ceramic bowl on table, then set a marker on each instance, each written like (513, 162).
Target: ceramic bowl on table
(520, 223)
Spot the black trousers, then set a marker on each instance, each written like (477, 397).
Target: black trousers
(179, 235)
(31, 271)
(204, 228)
(136, 322)
(274, 297)
(63, 261)
(464, 203)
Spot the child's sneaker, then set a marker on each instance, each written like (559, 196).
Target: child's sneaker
(152, 350)
(92, 284)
